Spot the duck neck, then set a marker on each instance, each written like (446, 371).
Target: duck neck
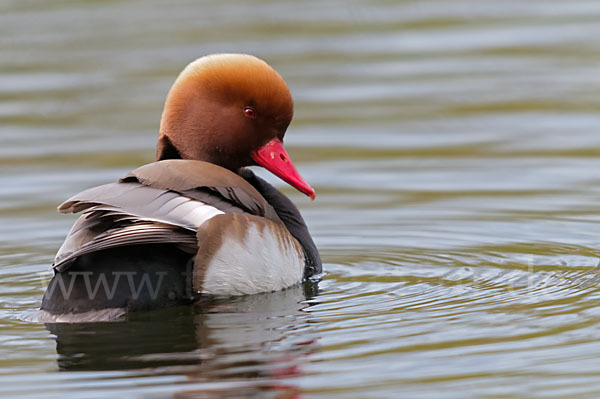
(166, 150)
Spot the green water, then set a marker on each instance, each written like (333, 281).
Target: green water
(454, 147)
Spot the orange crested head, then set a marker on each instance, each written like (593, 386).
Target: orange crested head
(224, 109)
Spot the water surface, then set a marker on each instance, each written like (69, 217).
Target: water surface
(454, 148)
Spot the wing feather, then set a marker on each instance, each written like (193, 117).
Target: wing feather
(134, 200)
(141, 233)
(163, 202)
(197, 176)
(121, 214)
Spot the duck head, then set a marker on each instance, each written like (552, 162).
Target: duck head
(231, 110)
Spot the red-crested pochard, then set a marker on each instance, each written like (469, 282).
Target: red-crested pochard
(195, 222)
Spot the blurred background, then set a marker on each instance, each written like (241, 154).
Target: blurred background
(454, 148)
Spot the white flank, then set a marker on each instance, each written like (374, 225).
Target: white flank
(259, 263)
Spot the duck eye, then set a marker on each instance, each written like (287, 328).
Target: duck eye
(250, 112)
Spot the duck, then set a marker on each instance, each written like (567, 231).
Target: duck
(197, 222)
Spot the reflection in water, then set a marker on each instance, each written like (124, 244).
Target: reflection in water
(259, 339)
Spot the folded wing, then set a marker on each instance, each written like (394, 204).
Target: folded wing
(163, 202)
